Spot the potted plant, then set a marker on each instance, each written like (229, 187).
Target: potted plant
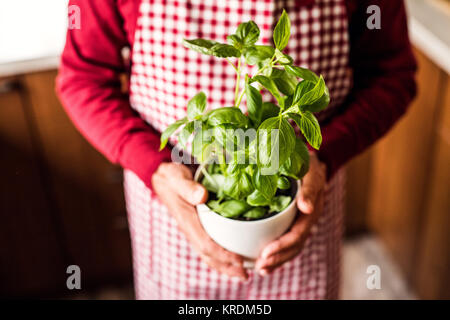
(251, 163)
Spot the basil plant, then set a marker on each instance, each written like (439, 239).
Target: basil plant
(252, 176)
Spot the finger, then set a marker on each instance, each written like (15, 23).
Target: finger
(288, 240)
(205, 245)
(312, 183)
(180, 179)
(226, 268)
(277, 260)
(307, 196)
(220, 254)
(191, 191)
(281, 250)
(214, 255)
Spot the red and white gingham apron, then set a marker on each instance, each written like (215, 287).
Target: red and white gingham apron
(165, 75)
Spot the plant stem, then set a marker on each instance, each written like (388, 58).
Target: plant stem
(238, 80)
(240, 98)
(271, 63)
(232, 64)
(208, 176)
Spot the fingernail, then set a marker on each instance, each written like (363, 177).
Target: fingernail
(265, 254)
(308, 206)
(263, 272)
(198, 195)
(258, 265)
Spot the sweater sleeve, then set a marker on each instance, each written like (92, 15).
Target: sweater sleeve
(89, 87)
(383, 71)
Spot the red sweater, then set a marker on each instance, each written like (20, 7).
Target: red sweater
(89, 87)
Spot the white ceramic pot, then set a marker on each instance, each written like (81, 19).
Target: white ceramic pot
(246, 238)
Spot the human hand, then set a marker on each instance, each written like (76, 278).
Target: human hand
(173, 184)
(310, 204)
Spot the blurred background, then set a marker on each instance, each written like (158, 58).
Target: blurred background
(61, 202)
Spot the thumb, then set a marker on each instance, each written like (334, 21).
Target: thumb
(191, 191)
(306, 199)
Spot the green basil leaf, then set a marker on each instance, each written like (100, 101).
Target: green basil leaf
(285, 82)
(282, 31)
(222, 136)
(238, 185)
(311, 129)
(283, 183)
(267, 69)
(212, 168)
(269, 110)
(248, 33)
(266, 184)
(297, 164)
(185, 133)
(276, 141)
(232, 208)
(235, 41)
(256, 198)
(250, 169)
(320, 104)
(201, 142)
(254, 104)
(288, 101)
(221, 50)
(283, 58)
(303, 73)
(213, 182)
(231, 115)
(314, 94)
(196, 105)
(256, 54)
(255, 213)
(213, 204)
(234, 168)
(268, 84)
(279, 203)
(225, 135)
(301, 89)
(302, 151)
(205, 116)
(207, 153)
(169, 131)
(200, 45)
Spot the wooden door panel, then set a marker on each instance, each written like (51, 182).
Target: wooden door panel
(87, 189)
(400, 170)
(432, 278)
(31, 251)
(357, 193)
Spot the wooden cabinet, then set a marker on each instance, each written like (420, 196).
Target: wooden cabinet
(67, 197)
(31, 255)
(433, 264)
(401, 165)
(399, 189)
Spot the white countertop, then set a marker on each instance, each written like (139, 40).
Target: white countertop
(32, 35)
(429, 29)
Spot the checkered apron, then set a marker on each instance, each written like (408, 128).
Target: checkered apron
(165, 75)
